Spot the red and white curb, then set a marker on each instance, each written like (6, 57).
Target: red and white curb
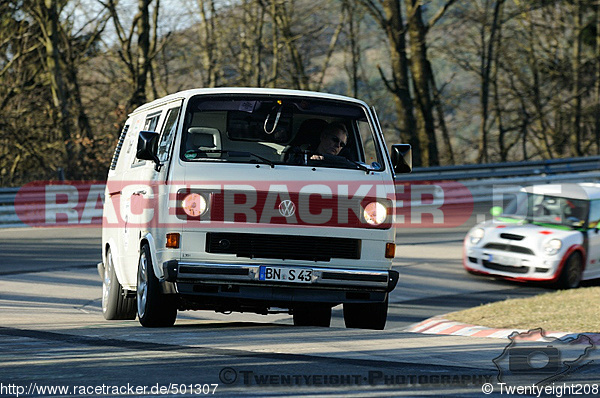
(439, 325)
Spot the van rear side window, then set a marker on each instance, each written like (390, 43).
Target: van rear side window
(151, 122)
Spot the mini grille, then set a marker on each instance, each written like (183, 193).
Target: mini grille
(506, 268)
(314, 248)
(509, 248)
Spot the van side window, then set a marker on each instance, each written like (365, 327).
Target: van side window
(168, 132)
(113, 163)
(369, 145)
(149, 125)
(151, 122)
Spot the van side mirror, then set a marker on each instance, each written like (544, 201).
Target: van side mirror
(402, 158)
(147, 147)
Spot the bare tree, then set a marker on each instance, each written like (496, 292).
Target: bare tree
(576, 133)
(422, 77)
(282, 15)
(388, 14)
(209, 36)
(597, 85)
(138, 45)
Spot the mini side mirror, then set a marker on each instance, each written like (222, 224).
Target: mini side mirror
(147, 147)
(402, 158)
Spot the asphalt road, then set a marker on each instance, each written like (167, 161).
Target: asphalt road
(52, 332)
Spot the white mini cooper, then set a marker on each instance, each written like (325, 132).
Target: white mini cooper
(546, 233)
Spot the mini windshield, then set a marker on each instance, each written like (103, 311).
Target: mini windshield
(547, 209)
(269, 130)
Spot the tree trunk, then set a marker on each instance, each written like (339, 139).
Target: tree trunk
(597, 100)
(577, 85)
(390, 20)
(420, 69)
(142, 63)
(284, 24)
(486, 65)
(47, 15)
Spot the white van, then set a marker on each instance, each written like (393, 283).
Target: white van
(251, 200)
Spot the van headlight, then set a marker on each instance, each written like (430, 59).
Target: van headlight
(552, 246)
(375, 213)
(476, 235)
(194, 204)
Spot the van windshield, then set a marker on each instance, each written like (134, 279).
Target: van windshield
(298, 131)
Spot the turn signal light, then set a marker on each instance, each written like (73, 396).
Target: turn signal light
(173, 240)
(390, 250)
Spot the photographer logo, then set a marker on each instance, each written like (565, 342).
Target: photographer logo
(532, 358)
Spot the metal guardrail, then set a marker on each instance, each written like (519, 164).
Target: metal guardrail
(504, 170)
(446, 184)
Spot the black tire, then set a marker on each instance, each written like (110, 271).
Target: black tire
(115, 304)
(316, 315)
(570, 277)
(366, 315)
(154, 308)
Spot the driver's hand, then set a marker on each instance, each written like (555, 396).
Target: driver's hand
(317, 157)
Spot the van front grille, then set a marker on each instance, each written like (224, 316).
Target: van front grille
(284, 247)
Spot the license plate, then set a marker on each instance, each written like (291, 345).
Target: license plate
(285, 274)
(504, 260)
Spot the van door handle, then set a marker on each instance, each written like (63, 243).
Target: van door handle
(141, 193)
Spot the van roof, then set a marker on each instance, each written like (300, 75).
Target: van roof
(244, 90)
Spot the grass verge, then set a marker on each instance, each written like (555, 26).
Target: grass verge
(575, 311)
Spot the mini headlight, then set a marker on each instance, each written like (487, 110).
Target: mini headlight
(476, 235)
(552, 246)
(194, 205)
(375, 213)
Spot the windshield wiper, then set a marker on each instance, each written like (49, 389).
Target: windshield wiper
(248, 154)
(241, 154)
(361, 165)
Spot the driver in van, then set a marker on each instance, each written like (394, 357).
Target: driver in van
(334, 138)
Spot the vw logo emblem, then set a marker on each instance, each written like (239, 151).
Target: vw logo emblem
(287, 208)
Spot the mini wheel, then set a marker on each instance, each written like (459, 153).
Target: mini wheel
(571, 274)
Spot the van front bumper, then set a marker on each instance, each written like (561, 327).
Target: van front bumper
(250, 275)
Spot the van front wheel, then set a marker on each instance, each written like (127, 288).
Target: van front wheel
(366, 315)
(154, 308)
